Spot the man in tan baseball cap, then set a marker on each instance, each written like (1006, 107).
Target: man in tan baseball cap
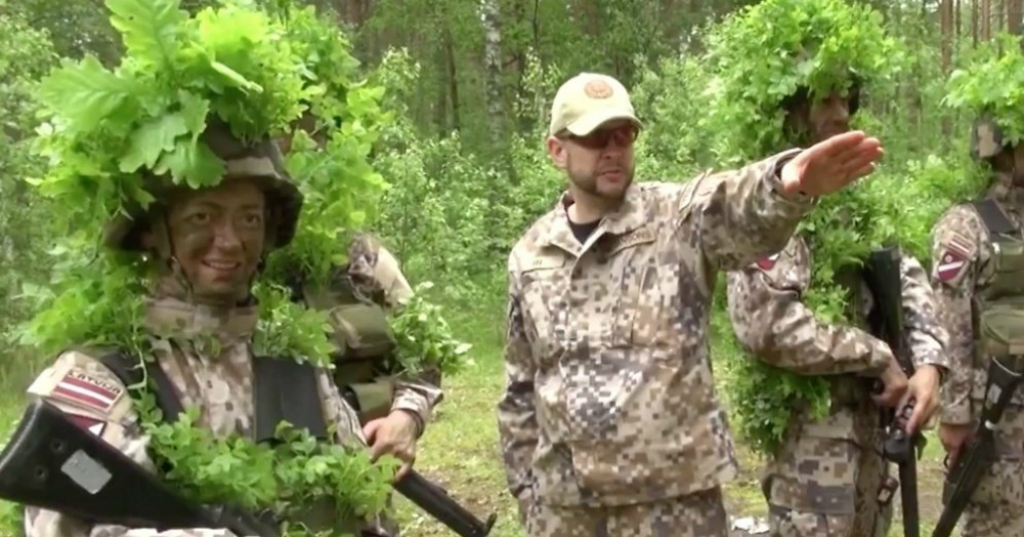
(609, 423)
(588, 100)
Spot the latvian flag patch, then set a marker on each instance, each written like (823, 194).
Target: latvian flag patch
(85, 391)
(954, 260)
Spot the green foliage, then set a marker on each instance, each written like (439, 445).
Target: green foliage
(25, 55)
(285, 477)
(424, 337)
(286, 328)
(340, 186)
(108, 127)
(92, 301)
(993, 85)
(762, 54)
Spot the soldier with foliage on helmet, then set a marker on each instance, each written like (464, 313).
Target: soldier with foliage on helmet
(170, 347)
(789, 74)
(978, 276)
(362, 290)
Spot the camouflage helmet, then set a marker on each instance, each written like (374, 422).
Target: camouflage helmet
(257, 160)
(986, 138)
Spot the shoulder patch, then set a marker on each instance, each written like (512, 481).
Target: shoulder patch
(82, 389)
(954, 259)
(79, 388)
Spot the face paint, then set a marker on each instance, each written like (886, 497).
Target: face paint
(217, 236)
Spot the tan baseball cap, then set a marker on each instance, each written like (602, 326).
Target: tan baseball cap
(587, 100)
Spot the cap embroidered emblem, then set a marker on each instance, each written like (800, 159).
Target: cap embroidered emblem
(597, 89)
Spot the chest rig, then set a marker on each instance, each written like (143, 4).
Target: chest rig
(283, 390)
(362, 334)
(997, 310)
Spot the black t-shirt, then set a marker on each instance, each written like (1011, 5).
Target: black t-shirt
(583, 231)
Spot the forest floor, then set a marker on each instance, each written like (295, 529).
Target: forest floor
(460, 451)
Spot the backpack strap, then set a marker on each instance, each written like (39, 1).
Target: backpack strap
(130, 371)
(286, 390)
(994, 218)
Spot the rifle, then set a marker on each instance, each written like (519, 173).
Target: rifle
(54, 464)
(977, 455)
(882, 274)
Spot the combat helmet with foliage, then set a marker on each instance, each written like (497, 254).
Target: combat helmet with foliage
(260, 160)
(765, 55)
(989, 89)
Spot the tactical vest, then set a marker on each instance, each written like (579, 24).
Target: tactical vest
(997, 311)
(283, 390)
(365, 342)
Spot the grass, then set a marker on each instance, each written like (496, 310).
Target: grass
(460, 451)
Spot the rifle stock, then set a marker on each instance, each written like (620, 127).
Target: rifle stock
(883, 277)
(977, 455)
(54, 464)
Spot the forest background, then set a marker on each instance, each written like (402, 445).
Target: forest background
(456, 133)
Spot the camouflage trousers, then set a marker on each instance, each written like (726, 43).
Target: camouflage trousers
(997, 507)
(700, 514)
(826, 477)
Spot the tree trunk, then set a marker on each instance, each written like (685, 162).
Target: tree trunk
(453, 79)
(492, 64)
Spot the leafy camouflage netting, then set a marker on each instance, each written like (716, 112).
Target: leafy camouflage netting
(760, 56)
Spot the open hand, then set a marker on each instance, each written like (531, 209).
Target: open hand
(832, 164)
(393, 435)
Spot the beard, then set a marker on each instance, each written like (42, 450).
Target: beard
(612, 189)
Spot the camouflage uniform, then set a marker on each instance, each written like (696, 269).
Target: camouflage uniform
(205, 351)
(357, 298)
(609, 422)
(830, 469)
(964, 274)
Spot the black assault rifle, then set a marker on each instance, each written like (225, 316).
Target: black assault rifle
(882, 274)
(52, 463)
(974, 458)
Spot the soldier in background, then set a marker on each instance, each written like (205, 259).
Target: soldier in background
(827, 476)
(609, 422)
(358, 297)
(978, 276)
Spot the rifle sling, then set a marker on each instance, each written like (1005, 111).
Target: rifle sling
(994, 218)
(284, 390)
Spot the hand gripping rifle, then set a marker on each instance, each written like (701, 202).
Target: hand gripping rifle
(882, 274)
(975, 458)
(53, 463)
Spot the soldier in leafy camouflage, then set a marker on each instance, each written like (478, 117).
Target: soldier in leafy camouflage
(977, 282)
(206, 245)
(393, 408)
(609, 423)
(827, 476)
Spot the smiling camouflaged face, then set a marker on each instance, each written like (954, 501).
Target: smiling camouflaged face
(217, 236)
(600, 163)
